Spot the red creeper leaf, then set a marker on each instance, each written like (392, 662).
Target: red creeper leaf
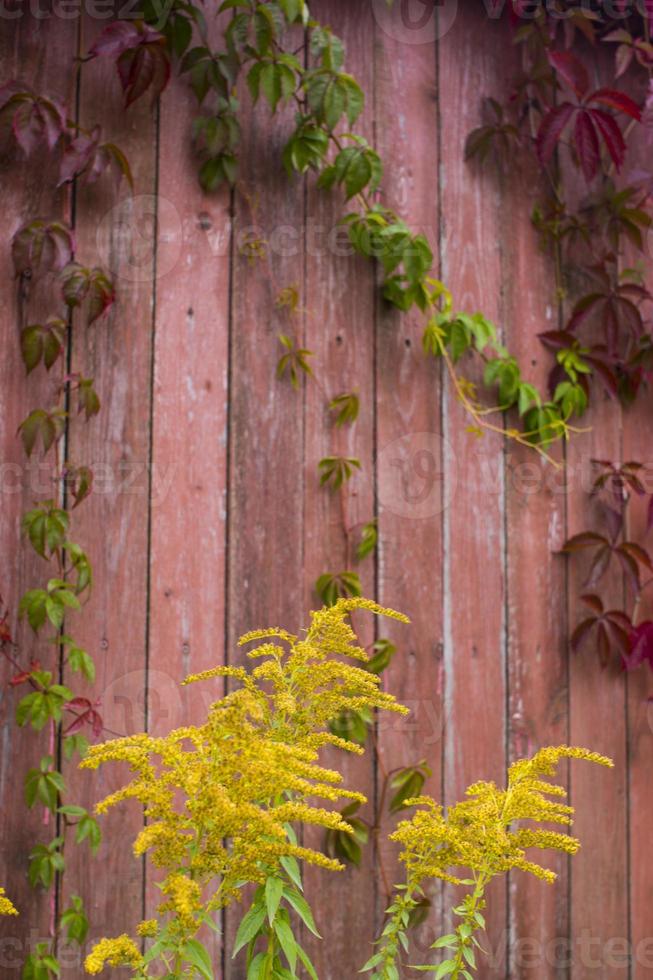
(617, 100)
(587, 144)
(571, 70)
(551, 129)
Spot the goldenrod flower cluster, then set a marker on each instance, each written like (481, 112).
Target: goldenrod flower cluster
(483, 833)
(121, 951)
(7, 907)
(218, 797)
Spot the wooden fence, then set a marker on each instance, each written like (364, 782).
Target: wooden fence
(207, 518)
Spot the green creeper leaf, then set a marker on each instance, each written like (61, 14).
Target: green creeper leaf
(336, 470)
(294, 361)
(306, 148)
(48, 425)
(46, 528)
(368, 541)
(347, 406)
(74, 921)
(331, 95)
(331, 587)
(80, 662)
(89, 829)
(355, 167)
(74, 743)
(43, 343)
(44, 785)
(352, 726)
(384, 651)
(45, 862)
(408, 783)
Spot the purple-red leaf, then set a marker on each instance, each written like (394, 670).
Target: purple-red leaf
(617, 100)
(594, 602)
(586, 539)
(86, 156)
(629, 566)
(34, 119)
(587, 144)
(649, 514)
(42, 244)
(121, 35)
(551, 129)
(80, 283)
(612, 137)
(641, 646)
(557, 339)
(571, 70)
(86, 714)
(640, 554)
(581, 633)
(142, 58)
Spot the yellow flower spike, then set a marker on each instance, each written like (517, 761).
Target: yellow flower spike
(219, 797)
(478, 838)
(477, 832)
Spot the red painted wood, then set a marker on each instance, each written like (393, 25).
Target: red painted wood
(35, 51)
(475, 623)
(265, 551)
(340, 304)
(188, 512)
(636, 445)
(639, 688)
(475, 573)
(113, 523)
(535, 576)
(597, 703)
(409, 439)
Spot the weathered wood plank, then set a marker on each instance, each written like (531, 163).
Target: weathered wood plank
(113, 523)
(597, 698)
(636, 443)
(189, 439)
(340, 303)
(265, 549)
(409, 440)
(475, 626)
(597, 704)
(40, 52)
(535, 576)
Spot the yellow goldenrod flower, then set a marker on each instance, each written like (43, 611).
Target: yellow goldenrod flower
(147, 928)
(219, 798)
(480, 837)
(477, 833)
(121, 951)
(7, 907)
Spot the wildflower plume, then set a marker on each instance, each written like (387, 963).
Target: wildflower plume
(221, 799)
